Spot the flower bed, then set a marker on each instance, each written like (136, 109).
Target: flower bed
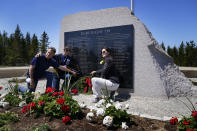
(187, 123)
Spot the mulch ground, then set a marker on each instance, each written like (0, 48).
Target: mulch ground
(27, 122)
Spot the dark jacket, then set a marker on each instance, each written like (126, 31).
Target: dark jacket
(67, 61)
(109, 71)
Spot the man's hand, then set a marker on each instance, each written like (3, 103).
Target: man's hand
(38, 55)
(93, 72)
(32, 84)
(74, 73)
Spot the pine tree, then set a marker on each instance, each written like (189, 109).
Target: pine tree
(181, 56)
(163, 46)
(44, 42)
(16, 56)
(34, 46)
(8, 49)
(175, 55)
(169, 51)
(28, 47)
(189, 50)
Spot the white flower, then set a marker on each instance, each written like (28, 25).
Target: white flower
(124, 125)
(83, 106)
(93, 108)
(100, 111)
(111, 101)
(28, 80)
(102, 101)
(108, 105)
(22, 104)
(36, 95)
(127, 106)
(90, 116)
(108, 121)
(98, 105)
(118, 106)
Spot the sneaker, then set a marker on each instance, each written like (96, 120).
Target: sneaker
(95, 100)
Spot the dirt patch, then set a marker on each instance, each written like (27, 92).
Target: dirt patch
(27, 122)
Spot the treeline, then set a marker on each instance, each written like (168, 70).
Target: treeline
(16, 49)
(184, 55)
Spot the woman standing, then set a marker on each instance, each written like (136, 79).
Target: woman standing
(108, 76)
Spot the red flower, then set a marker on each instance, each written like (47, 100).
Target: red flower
(60, 101)
(31, 106)
(40, 103)
(74, 91)
(186, 122)
(66, 119)
(173, 121)
(65, 108)
(24, 110)
(55, 94)
(87, 84)
(194, 113)
(190, 130)
(86, 89)
(50, 89)
(1, 87)
(61, 93)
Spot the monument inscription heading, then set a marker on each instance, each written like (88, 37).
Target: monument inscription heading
(87, 44)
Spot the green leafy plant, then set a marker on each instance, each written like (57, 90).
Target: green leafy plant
(13, 96)
(119, 116)
(12, 99)
(7, 118)
(44, 127)
(28, 97)
(6, 128)
(54, 104)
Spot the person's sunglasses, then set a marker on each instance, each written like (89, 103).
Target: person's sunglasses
(103, 52)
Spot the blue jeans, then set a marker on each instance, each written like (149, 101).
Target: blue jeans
(56, 80)
(47, 75)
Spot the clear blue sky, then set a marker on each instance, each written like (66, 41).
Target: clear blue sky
(170, 21)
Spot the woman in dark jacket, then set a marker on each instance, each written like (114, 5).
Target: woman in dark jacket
(109, 76)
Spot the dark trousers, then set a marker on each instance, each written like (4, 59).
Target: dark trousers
(47, 75)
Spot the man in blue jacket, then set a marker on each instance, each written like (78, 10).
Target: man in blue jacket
(66, 60)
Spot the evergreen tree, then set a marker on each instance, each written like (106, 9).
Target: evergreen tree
(17, 50)
(181, 56)
(17, 53)
(24, 51)
(34, 46)
(7, 48)
(175, 55)
(28, 47)
(169, 51)
(163, 46)
(190, 53)
(44, 42)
